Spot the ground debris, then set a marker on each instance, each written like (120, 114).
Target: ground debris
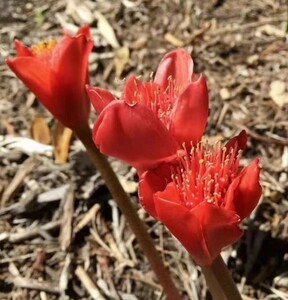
(61, 234)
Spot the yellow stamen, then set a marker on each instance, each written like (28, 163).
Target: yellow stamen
(44, 47)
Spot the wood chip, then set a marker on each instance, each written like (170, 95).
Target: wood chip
(224, 94)
(278, 93)
(28, 166)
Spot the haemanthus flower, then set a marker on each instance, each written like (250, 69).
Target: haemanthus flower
(153, 119)
(196, 189)
(56, 72)
(202, 196)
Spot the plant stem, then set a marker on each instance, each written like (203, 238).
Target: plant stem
(220, 282)
(124, 203)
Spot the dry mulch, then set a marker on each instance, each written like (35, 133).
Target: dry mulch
(59, 228)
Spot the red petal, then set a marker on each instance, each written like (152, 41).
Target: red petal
(99, 98)
(136, 91)
(85, 30)
(35, 75)
(183, 224)
(69, 66)
(133, 134)
(190, 113)
(130, 89)
(176, 65)
(238, 142)
(151, 182)
(219, 227)
(245, 191)
(21, 50)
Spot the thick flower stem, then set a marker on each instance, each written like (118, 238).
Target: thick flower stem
(220, 282)
(127, 208)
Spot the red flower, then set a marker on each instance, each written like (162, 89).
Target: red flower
(197, 190)
(204, 198)
(153, 119)
(56, 72)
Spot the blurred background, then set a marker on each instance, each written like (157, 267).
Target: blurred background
(55, 221)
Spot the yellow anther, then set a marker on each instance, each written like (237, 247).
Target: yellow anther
(44, 47)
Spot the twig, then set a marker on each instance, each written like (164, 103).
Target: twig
(246, 26)
(265, 139)
(116, 226)
(87, 218)
(88, 284)
(66, 223)
(27, 167)
(64, 276)
(33, 232)
(33, 284)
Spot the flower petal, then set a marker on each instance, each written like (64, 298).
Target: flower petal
(190, 113)
(183, 224)
(245, 191)
(22, 50)
(238, 142)
(99, 98)
(35, 75)
(85, 30)
(69, 66)
(176, 65)
(219, 226)
(151, 182)
(133, 134)
(136, 91)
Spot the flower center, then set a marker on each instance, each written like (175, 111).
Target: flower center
(44, 50)
(158, 100)
(205, 173)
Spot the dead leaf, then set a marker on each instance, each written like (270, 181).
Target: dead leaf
(106, 30)
(40, 131)
(277, 92)
(68, 27)
(80, 11)
(170, 38)
(62, 139)
(25, 145)
(121, 58)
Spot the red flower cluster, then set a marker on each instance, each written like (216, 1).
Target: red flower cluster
(196, 189)
(56, 72)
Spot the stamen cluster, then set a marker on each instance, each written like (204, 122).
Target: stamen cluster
(44, 50)
(158, 100)
(205, 173)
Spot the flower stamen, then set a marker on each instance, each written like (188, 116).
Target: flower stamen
(205, 173)
(44, 50)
